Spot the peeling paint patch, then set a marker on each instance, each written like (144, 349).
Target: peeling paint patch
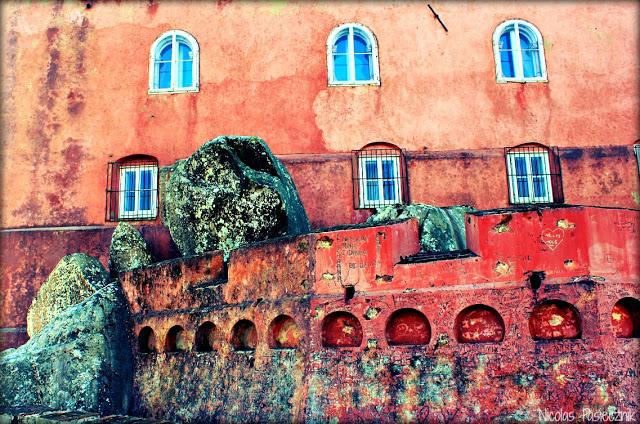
(565, 224)
(502, 268)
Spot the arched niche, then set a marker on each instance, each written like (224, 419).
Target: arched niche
(408, 327)
(175, 340)
(284, 333)
(554, 320)
(479, 324)
(146, 340)
(625, 318)
(341, 329)
(244, 336)
(205, 336)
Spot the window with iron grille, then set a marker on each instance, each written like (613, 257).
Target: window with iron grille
(636, 149)
(533, 174)
(132, 189)
(379, 177)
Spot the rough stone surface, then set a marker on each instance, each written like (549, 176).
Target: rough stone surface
(231, 191)
(441, 229)
(76, 277)
(81, 360)
(128, 250)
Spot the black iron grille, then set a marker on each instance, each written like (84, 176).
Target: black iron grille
(533, 174)
(132, 190)
(379, 178)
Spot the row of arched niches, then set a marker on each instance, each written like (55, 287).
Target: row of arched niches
(550, 320)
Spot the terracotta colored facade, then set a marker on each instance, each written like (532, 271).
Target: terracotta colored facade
(513, 330)
(75, 85)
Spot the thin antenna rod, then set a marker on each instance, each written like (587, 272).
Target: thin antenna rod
(435, 15)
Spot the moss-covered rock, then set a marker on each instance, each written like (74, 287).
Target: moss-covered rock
(81, 360)
(441, 229)
(128, 250)
(231, 191)
(76, 277)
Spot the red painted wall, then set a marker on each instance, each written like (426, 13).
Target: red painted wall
(77, 79)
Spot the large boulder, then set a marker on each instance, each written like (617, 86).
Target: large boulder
(128, 250)
(76, 277)
(231, 191)
(81, 360)
(441, 229)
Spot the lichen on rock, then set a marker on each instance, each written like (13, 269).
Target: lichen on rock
(75, 277)
(81, 360)
(441, 229)
(230, 192)
(128, 250)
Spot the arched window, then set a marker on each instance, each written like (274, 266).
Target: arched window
(244, 336)
(352, 56)
(173, 64)
(284, 333)
(132, 188)
(408, 327)
(533, 173)
(479, 324)
(519, 52)
(555, 319)
(341, 329)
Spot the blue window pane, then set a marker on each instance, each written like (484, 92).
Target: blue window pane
(388, 170)
(164, 75)
(165, 53)
(389, 187)
(529, 57)
(340, 68)
(506, 55)
(523, 187)
(371, 169)
(373, 191)
(186, 74)
(537, 167)
(539, 188)
(360, 44)
(363, 67)
(145, 189)
(521, 166)
(129, 191)
(341, 44)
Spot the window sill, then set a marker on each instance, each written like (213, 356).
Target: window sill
(173, 90)
(520, 80)
(353, 84)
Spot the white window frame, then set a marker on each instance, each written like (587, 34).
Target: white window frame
(174, 36)
(362, 171)
(352, 27)
(137, 212)
(514, 196)
(517, 52)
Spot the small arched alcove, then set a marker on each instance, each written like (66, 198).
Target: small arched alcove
(205, 336)
(175, 340)
(284, 333)
(479, 324)
(146, 340)
(244, 336)
(341, 329)
(625, 318)
(408, 327)
(554, 320)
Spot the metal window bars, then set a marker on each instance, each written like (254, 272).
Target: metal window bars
(132, 190)
(379, 178)
(533, 174)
